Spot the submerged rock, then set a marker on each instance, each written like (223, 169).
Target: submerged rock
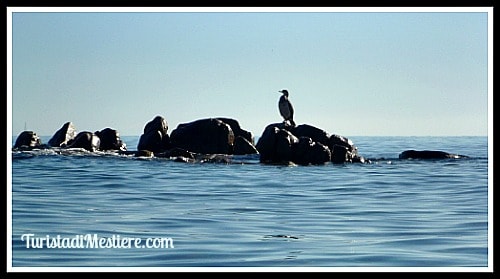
(429, 154)
(175, 153)
(144, 153)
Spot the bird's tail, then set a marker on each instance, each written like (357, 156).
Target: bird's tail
(292, 122)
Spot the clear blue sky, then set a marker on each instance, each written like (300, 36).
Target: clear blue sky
(350, 73)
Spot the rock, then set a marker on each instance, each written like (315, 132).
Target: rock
(157, 124)
(155, 137)
(28, 139)
(309, 145)
(340, 154)
(214, 158)
(176, 152)
(243, 147)
(307, 152)
(360, 159)
(205, 136)
(144, 153)
(181, 159)
(320, 154)
(267, 144)
(237, 130)
(110, 140)
(300, 150)
(429, 154)
(283, 146)
(61, 138)
(316, 134)
(344, 150)
(85, 140)
(342, 141)
(151, 141)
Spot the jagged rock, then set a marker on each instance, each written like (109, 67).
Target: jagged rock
(243, 147)
(342, 141)
(62, 136)
(344, 150)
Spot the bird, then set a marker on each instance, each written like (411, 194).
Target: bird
(285, 107)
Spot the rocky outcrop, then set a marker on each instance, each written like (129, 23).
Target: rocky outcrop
(315, 134)
(213, 136)
(106, 139)
(304, 144)
(155, 137)
(267, 144)
(110, 140)
(85, 140)
(28, 139)
(62, 136)
(237, 130)
(429, 154)
(243, 147)
(307, 152)
(217, 140)
(206, 136)
(176, 153)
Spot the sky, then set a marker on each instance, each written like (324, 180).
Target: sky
(369, 73)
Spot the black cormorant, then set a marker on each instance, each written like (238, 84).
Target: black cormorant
(285, 107)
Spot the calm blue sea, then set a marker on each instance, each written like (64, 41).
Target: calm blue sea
(390, 213)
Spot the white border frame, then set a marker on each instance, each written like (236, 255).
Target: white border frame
(488, 10)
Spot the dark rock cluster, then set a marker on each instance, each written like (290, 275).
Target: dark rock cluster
(304, 145)
(66, 137)
(189, 140)
(217, 139)
(210, 139)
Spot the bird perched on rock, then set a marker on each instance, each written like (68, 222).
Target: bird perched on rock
(285, 107)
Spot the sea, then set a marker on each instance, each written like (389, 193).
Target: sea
(78, 210)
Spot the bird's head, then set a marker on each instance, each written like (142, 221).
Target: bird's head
(284, 92)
